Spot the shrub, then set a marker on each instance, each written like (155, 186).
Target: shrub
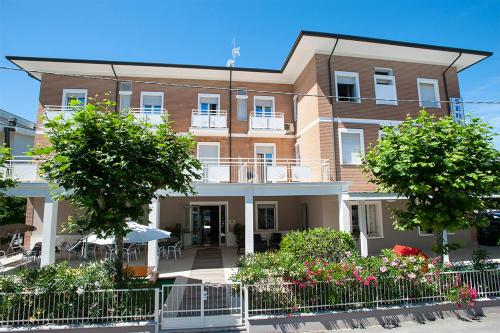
(62, 278)
(319, 243)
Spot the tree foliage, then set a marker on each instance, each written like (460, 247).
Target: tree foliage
(12, 209)
(112, 166)
(445, 169)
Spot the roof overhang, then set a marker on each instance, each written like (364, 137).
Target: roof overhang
(305, 47)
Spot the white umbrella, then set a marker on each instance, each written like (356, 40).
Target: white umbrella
(138, 233)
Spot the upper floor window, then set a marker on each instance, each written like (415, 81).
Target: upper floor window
(428, 93)
(208, 102)
(152, 101)
(351, 146)
(241, 101)
(264, 106)
(347, 85)
(71, 95)
(385, 87)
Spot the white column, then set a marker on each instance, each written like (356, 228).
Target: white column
(344, 219)
(49, 231)
(363, 239)
(154, 221)
(249, 224)
(446, 256)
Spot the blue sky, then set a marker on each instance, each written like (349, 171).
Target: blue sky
(200, 32)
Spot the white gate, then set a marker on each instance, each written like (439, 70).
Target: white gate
(201, 305)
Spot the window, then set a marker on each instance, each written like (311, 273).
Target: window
(428, 93)
(385, 87)
(125, 95)
(152, 101)
(351, 145)
(374, 220)
(373, 215)
(208, 152)
(266, 213)
(242, 101)
(208, 102)
(347, 85)
(70, 95)
(264, 106)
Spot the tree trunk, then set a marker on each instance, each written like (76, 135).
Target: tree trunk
(441, 244)
(119, 260)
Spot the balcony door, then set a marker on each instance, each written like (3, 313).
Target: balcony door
(265, 155)
(71, 95)
(208, 103)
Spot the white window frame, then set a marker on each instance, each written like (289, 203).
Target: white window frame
(378, 208)
(256, 219)
(389, 78)
(152, 93)
(202, 95)
(73, 91)
(362, 142)
(354, 75)
(382, 69)
(264, 98)
(435, 83)
(198, 144)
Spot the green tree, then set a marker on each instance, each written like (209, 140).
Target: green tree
(111, 166)
(12, 209)
(445, 169)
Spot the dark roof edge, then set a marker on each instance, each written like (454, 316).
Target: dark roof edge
(381, 41)
(261, 70)
(133, 63)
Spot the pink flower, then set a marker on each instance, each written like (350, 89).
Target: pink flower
(383, 269)
(394, 263)
(412, 276)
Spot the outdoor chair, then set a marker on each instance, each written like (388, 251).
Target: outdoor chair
(34, 253)
(275, 240)
(110, 252)
(174, 249)
(161, 252)
(92, 251)
(75, 249)
(130, 252)
(258, 243)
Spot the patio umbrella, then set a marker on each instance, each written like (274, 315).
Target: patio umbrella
(138, 233)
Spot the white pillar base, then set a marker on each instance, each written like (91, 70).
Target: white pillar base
(49, 231)
(363, 236)
(344, 218)
(154, 220)
(249, 223)
(446, 257)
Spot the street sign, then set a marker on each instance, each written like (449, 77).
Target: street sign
(457, 109)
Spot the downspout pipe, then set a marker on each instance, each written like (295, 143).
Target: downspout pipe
(230, 110)
(334, 127)
(446, 82)
(116, 88)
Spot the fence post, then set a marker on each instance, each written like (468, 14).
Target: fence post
(245, 296)
(157, 309)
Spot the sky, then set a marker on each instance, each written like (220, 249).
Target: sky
(201, 32)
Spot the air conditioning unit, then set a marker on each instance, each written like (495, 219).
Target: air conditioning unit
(289, 127)
(125, 88)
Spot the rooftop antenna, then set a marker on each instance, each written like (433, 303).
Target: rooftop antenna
(235, 53)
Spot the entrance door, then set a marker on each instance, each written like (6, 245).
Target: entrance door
(210, 225)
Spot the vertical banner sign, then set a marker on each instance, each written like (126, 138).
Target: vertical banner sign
(457, 109)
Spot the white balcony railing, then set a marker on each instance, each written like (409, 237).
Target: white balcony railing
(154, 117)
(224, 170)
(21, 168)
(254, 170)
(209, 119)
(267, 122)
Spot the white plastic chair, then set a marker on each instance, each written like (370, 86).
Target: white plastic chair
(130, 252)
(174, 249)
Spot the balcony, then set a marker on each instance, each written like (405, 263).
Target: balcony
(267, 124)
(151, 116)
(209, 123)
(21, 168)
(224, 170)
(258, 171)
(154, 117)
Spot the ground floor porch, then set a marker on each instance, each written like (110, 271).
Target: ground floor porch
(262, 212)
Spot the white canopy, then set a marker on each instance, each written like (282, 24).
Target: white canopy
(138, 233)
